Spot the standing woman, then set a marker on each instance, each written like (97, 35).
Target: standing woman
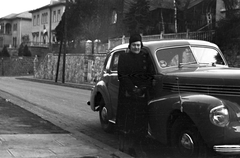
(134, 80)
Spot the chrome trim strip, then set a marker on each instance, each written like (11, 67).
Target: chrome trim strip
(112, 121)
(227, 149)
(156, 100)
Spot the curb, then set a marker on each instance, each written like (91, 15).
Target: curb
(86, 86)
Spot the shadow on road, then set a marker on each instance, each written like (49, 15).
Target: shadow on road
(16, 120)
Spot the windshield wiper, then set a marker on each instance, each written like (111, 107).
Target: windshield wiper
(189, 63)
(209, 64)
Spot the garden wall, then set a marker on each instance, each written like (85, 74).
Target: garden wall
(79, 68)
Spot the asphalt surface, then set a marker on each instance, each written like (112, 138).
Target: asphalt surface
(24, 134)
(152, 148)
(16, 120)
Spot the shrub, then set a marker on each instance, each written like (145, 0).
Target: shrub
(228, 39)
(5, 52)
(20, 50)
(26, 51)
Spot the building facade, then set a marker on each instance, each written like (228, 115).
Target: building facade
(44, 22)
(196, 15)
(15, 29)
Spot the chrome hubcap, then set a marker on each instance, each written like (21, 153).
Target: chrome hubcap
(104, 114)
(187, 144)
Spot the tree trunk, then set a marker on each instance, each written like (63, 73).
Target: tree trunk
(92, 46)
(162, 20)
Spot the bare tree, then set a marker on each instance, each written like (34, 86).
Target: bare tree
(91, 28)
(183, 5)
(137, 19)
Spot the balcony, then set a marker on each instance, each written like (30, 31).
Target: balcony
(38, 44)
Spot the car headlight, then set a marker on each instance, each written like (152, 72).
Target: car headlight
(219, 116)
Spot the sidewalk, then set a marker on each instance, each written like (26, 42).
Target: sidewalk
(63, 145)
(53, 146)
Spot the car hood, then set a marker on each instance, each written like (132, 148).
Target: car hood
(217, 80)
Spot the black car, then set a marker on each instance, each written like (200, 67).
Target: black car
(194, 102)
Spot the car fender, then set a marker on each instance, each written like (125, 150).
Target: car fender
(99, 88)
(197, 107)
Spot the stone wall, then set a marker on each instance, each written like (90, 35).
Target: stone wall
(79, 68)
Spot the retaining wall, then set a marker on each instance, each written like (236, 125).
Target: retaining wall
(79, 68)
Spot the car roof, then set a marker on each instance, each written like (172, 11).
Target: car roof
(169, 43)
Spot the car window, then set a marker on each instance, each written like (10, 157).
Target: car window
(174, 56)
(207, 55)
(114, 61)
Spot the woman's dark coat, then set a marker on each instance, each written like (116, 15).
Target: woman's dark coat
(133, 71)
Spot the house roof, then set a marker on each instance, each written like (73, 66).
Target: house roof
(9, 16)
(154, 4)
(166, 4)
(55, 3)
(23, 15)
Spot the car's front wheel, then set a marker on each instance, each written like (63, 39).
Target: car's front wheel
(104, 119)
(186, 141)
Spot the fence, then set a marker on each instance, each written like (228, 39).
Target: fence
(200, 35)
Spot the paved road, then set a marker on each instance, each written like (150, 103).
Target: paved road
(16, 120)
(66, 107)
(62, 105)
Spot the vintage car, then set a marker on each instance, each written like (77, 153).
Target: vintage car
(194, 101)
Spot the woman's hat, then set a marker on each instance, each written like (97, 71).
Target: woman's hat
(135, 38)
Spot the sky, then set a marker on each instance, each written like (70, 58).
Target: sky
(19, 6)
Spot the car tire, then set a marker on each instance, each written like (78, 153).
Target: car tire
(186, 141)
(104, 119)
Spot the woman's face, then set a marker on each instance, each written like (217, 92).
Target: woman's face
(135, 47)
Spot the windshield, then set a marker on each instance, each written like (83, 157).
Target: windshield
(180, 56)
(175, 57)
(207, 55)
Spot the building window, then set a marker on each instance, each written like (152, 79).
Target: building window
(34, 20)
(8, 29)
(59, 15)
(1, 28)
(38, 20)
(54, 16)
(44, 18)
(1, 41)
(15, 27)
(114, 17)
(15, 42)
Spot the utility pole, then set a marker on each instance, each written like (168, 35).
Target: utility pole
(65, 41)
(58, 62)
(175, 15)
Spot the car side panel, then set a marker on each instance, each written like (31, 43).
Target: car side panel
(112, 87)
(159, 112)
